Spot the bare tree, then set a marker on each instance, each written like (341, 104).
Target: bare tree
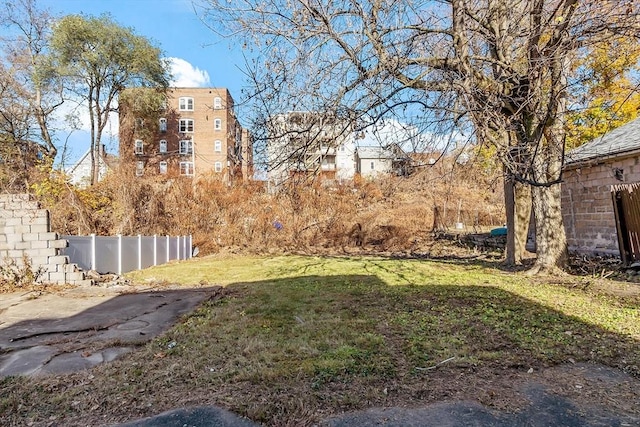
(30, 95)
(501, 68)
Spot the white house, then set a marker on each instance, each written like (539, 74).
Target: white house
(373, 161)
(80, 172)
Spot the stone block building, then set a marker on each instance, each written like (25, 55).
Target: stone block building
(598, 179)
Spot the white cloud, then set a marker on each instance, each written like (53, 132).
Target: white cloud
(409, 137)
(186, 75)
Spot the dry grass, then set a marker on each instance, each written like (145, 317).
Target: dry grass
(393, 213)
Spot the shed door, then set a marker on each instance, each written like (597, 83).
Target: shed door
(626, 204)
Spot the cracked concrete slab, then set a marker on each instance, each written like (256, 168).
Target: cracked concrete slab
(57, 333)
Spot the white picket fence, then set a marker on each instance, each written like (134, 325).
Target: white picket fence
(121, 254)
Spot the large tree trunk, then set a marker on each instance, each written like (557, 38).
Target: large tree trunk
(551, 239)
(522, 218)
(517, 197)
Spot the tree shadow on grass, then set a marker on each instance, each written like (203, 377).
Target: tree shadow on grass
(350, 342)
(295, 351)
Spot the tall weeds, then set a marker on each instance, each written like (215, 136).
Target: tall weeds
(392, 213)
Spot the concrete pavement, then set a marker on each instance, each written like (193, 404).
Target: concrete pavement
(51, 333)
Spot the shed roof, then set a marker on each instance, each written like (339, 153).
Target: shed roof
(621, 140)
(374, 153)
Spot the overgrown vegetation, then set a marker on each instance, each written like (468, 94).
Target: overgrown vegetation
(393, 213)
(295, 339)
(18, 275)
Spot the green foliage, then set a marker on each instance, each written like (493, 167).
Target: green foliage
(101, 53)
(608, 97)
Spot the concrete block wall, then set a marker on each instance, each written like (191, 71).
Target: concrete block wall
(587, 206)
(25, 232)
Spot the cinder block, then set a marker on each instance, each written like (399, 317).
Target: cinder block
(70, 268)
(57, 277)
(12, 221)
(4, 246)
(36, 221)
(58, 244)
(15, 254)
(39, 261)
(50, 268)
(22, 246)
(13, 206)
(38, 213)
(31, 205)
(40, 244)
(8, 229)
(47, 252)
(30, 237)
(48, 236)
(22, 197)
(74, 277)
(39, 228)
(59, 259)
(22, 229)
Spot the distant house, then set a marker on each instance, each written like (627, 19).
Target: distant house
(601, 194)
(80, 172)
(374, 161)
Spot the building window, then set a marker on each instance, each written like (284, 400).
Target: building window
(139, 168)
(218, 167)
(163, 125)
(217, 146)
(185, 103)
(217, 124)
(217, 103)
(138, 147)
(373, 165)
(185, 125)
(186, 146)
(163, 145)
(186, 168)
(163, 168)
(139, 124)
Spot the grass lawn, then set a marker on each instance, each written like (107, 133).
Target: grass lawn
(294, 339)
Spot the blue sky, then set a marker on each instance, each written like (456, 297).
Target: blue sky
(201, 58)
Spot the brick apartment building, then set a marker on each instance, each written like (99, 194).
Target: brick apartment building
(193, 133)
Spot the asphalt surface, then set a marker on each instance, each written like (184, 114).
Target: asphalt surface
(545, 410)
(51, 333)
